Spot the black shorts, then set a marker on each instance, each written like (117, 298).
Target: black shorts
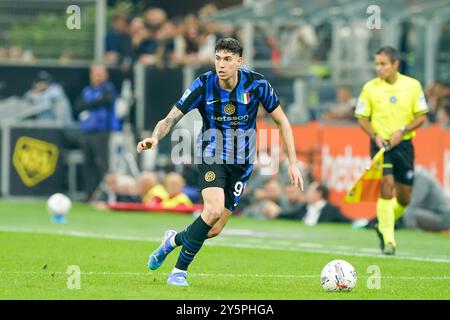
(398, 161)
(232, 178)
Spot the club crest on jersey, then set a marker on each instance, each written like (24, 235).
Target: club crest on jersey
(230, 109)
(210, 176)
(245, 98)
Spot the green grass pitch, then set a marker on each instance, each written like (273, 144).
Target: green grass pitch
(252, 259)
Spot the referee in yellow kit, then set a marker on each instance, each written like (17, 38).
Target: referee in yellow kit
(389, 109)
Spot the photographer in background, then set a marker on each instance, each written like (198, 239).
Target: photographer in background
(317, 209)
(429, 209)
(49, 97)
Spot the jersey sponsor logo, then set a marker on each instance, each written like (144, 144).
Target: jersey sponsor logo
(210, 176)
(230, 118)
(210, 102)
(230, 109)
(393, 99)
(236, 123)
(186, 94)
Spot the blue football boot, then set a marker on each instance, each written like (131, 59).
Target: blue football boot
(159, 255)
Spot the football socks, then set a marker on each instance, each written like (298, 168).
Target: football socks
(192, 240)
(386, 219)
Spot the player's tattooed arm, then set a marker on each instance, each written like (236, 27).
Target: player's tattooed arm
(161, 130)
(165, 125)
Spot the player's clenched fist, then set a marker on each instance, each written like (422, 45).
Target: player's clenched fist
(147, 143)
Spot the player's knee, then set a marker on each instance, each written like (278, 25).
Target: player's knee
(213, 212)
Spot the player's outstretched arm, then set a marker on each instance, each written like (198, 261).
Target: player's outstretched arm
(280, 119)
(162, 128)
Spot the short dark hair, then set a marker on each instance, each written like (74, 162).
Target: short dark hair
(323, 189)
(391, 52)
(229, 44)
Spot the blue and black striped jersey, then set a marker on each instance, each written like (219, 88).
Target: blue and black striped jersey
(229, 117)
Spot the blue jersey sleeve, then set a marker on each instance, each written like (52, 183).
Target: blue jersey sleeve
(267, 96)
(192, 97)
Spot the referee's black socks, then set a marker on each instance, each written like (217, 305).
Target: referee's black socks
(192, 239)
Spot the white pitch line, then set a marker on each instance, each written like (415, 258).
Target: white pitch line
(225, 243)
(81, 234)
(300, 248)
(225, 275)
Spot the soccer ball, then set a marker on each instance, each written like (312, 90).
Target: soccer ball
(338, 275)
(59, 204)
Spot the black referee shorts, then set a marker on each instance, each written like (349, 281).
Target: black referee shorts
(399, 161)
(232, 178)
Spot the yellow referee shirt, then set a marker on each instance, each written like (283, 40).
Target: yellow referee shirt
(391, 106)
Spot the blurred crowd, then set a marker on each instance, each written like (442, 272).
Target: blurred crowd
(438, 99)
(168, 190)
(153, 39)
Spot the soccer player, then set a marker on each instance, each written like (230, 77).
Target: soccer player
(227, 100)
(389, 109)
